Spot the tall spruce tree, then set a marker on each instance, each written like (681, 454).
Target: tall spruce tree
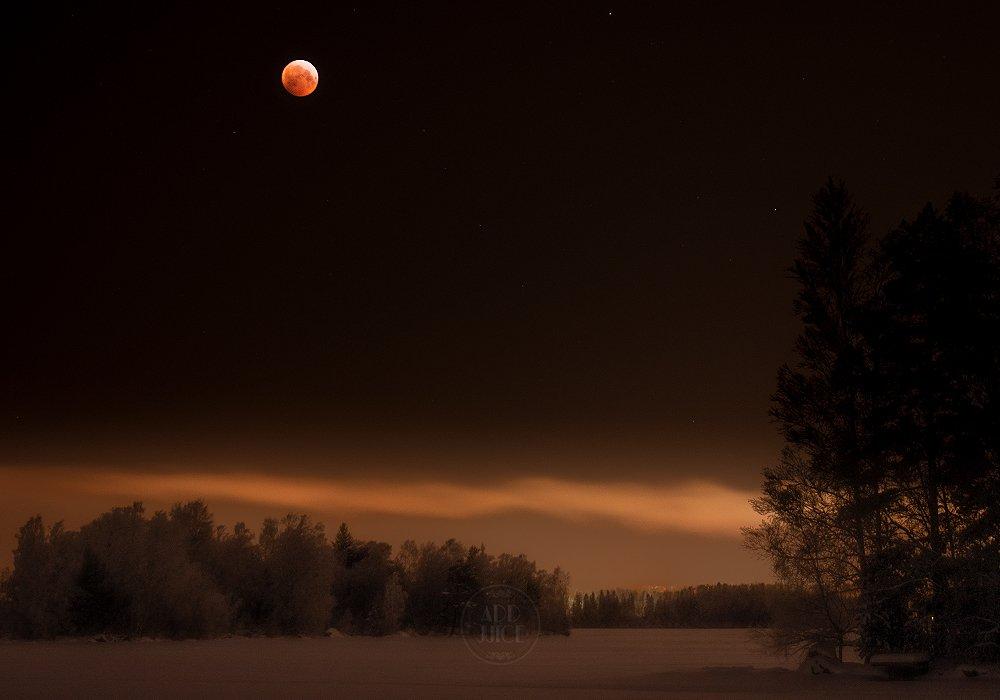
(942, 358)
(821, 501)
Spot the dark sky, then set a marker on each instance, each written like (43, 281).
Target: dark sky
(514, 238)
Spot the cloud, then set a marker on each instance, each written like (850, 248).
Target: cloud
(699, 507)
(693, 506)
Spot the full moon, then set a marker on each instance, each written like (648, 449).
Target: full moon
(300, 77)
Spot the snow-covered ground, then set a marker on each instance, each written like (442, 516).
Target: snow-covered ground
(590, 663)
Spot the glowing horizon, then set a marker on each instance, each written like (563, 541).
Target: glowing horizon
(693, 506)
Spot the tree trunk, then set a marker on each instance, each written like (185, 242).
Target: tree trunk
(935, 542)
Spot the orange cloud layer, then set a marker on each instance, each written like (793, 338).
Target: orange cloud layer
(699, 507)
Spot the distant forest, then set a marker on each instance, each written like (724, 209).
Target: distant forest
(177, 574)
(719, 605)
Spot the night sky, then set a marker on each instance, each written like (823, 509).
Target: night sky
(499, 242)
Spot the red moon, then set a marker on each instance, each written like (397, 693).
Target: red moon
(300, 77)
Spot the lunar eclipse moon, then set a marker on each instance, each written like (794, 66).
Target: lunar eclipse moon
(300, 78)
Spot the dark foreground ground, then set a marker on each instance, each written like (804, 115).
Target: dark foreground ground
(590, 663)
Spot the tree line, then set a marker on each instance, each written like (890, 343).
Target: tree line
(882, 510)
(177, 574)
(709, 606)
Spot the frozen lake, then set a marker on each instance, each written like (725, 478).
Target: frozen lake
(591, 663)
